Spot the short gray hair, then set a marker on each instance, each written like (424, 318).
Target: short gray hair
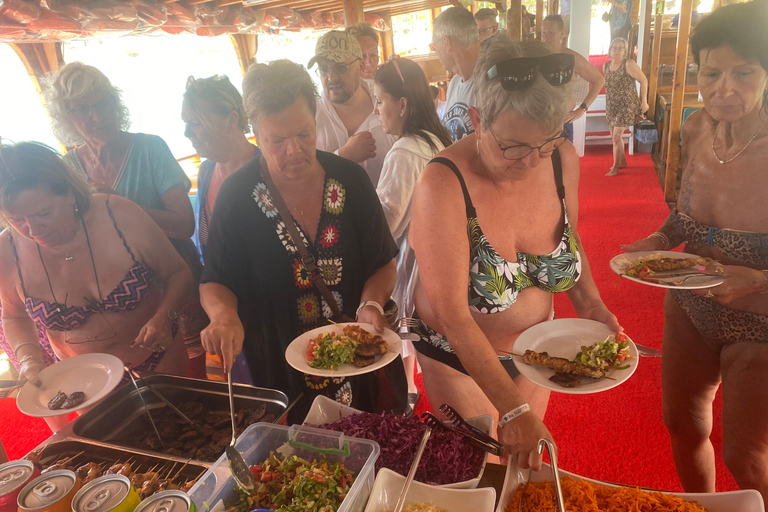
(75, 81)
(363, 29)
(545, 104)
(457, 24)
(486, 14)
(623, 42)
(271, 88)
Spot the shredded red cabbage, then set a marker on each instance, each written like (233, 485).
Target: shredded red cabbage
(447, 459)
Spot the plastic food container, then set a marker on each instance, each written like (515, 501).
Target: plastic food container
(388, 485)
(216, 489)
(324, 410)
(742, 501)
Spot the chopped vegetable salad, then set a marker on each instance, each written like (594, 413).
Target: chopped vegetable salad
(607, 354)
(329, 351)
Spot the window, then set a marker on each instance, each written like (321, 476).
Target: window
(298, 47)
(152, 72)
(22, 116)
(412, 33)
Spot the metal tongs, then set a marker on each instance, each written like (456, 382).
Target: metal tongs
(552, 450)
(491, 446)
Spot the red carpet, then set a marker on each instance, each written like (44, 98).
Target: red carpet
(617, 435)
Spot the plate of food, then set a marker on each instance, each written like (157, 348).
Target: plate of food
(665, 269)
(575, 356)
(343, 350)
(71, 384)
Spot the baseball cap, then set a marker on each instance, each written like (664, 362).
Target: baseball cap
(336, 46)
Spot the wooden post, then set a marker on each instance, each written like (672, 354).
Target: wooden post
(387, 38)
(353, 12)
(515, 15)
(646, 39)
(539, 17)
(653, 76)
(678, 96)
(246, 46)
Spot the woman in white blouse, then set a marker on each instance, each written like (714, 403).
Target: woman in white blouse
(403, 101)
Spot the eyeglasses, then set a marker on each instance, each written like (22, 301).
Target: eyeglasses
(191, 81)
(91, 339)
(84, 112)
(486, 29)
(336, 69)
(520, 151)
(519, 73)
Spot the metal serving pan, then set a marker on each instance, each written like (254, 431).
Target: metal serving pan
(82, 452)
(117, 414)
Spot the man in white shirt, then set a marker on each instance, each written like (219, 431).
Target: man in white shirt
(368, 39)
(456, 41)
(552, 33)
(346, 124)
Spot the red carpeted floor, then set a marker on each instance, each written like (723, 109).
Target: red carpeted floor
(617, 435)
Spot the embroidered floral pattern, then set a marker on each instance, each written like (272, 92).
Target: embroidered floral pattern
(327, 312)
(309, 309)
(330, 270)
(301, 275)
(264, 200)
(316, 383)
(285, 237)
(329, 236)
(334, 197)
(344, 394)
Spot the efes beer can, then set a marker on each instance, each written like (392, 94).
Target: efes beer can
(13, 477)
(110, 493)
(50, 492)
(167, 501)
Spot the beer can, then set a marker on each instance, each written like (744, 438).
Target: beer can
(109, 493)
(13, 477)
(167, 501)
(50, 492)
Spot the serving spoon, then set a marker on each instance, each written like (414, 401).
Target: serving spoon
(237, 466)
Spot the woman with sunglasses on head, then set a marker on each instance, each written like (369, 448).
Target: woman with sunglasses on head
(402, 101)
(87, 112)
(622, 104)
(488, 271)
(718, 337)
(85, 268)
(216, 125)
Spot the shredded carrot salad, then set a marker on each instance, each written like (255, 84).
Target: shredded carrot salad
(581, 496)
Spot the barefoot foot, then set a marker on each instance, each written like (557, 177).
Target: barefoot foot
(613, 172)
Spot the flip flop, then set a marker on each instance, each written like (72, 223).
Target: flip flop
(413, 400)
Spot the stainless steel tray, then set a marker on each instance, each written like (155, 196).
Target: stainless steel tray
(83, 452)
(117, 413)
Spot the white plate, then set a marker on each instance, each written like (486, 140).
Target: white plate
(296, 353)
(324, 410)
(619, 264)
(96, 375)
(747, 500)
(564, 337)
(388, 485)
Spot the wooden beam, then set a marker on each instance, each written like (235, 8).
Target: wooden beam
(246, 46)
(353, 12)
(653, 76)
(515, 18)
(387, 37)
(678, 95)
(539, 17)
(647, 40)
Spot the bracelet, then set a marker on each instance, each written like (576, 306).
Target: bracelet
(514, 413)
(766, 277)
(29, 358)
(16, 350)
(664, 238)
(370, 303)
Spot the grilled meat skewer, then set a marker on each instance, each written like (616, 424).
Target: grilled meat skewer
(560, 364)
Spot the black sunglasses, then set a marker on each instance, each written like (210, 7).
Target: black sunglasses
(519, 73)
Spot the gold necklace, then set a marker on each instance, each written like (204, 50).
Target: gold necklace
(714, 152)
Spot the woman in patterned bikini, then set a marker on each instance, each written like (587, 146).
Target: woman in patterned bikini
(84, 267)
(514, 176)
(720, 335)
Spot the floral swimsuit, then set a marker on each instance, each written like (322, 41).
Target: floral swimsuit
(495, 283)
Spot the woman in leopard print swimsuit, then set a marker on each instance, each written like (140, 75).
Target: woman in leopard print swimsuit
(720, 335)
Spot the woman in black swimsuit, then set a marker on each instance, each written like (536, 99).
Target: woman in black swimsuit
(720, 335)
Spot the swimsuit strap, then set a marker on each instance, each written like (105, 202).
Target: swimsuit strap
(16, 259)
(467, 200)
(119, 233)
(558, 168)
